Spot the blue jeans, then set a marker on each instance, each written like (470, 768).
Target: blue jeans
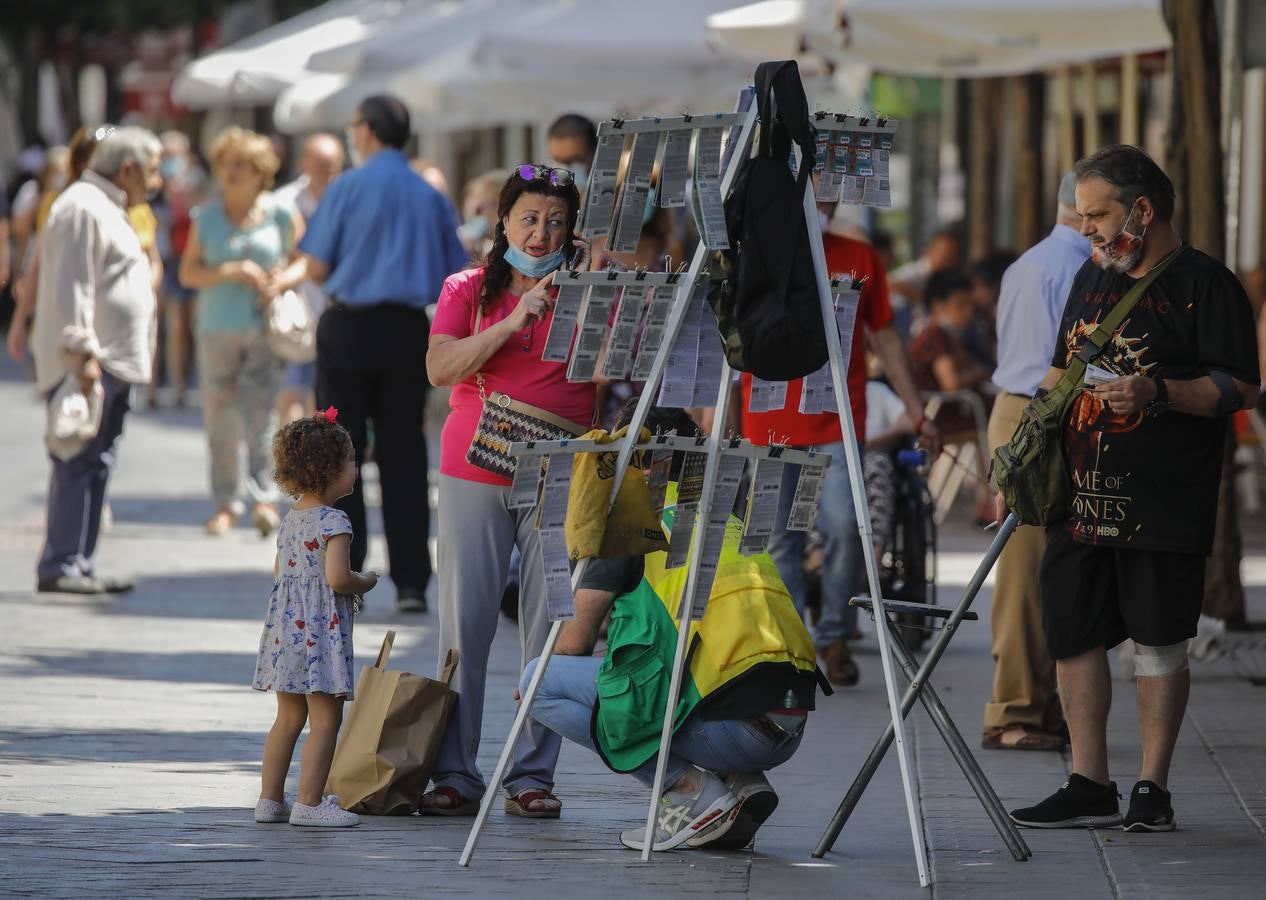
(569, 691)
(843, 566)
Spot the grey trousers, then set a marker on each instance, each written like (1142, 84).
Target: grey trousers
(476, 535)
(77, 491)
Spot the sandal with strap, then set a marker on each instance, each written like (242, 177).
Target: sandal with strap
(534, 804)
(1021, 737)
(450, 803)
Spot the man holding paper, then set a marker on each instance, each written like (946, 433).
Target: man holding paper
(746, 693)
(1144, 453)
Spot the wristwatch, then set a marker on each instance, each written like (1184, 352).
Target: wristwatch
(1159, 403)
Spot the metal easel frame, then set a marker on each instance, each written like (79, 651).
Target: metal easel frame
(920, 688)
(745, 120)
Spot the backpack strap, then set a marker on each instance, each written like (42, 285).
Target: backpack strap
(780, 98)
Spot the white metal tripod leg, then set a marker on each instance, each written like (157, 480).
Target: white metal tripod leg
(683, 608)
(520, 719)
(840, 377)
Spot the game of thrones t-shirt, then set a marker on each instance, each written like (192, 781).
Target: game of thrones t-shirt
(1151, 482)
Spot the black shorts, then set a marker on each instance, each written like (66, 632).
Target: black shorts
(1099, 596)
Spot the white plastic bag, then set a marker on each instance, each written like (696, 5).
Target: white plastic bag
(291, 328)
(73, 418)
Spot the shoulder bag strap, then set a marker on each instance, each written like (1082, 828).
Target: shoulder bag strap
(1098, 339)
(479, 317)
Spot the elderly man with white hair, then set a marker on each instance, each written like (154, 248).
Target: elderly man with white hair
(95, 305)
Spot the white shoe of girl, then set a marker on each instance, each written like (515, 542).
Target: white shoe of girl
(327, 815)
(271, 812)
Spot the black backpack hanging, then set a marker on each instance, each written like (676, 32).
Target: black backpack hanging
(765, 292)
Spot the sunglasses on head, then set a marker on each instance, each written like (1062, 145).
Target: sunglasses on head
(556, 177)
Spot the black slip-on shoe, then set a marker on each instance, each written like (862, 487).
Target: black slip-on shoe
(1080, 803)
(1151, 809)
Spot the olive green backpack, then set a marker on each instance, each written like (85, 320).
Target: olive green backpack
(1031, 471)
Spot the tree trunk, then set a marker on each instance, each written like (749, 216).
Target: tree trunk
(1028, 112)
(982, 159)
(1196, 164)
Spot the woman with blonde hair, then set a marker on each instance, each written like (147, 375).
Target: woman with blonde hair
(239, 255)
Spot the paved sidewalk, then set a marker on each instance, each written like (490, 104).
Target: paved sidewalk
(130, 742)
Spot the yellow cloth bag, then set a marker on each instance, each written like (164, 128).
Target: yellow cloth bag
(633, 528)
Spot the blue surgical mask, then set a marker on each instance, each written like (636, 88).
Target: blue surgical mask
(474, 229)
(534, 266)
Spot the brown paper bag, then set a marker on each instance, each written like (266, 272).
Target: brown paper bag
(387, 749)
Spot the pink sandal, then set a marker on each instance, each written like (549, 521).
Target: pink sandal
(450, 803)
(534, 804)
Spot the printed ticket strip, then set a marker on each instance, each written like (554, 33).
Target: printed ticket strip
(762, 506)
(595, 217)
(705, 189)
(818, 391)
(804, 508)
(525, 489)
(682, 367)
(593, 316)
(729, 477)
(628, 314)
(674, 168)
(659, 304)
(689, 493)
(551, 522)
(562, 326)
(767, 395)
(636, 190)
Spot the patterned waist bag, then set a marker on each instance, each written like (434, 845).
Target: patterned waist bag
(504, 421)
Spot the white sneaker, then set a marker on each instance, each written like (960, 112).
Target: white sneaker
(327, 815)
(685, 817)
(271, 812)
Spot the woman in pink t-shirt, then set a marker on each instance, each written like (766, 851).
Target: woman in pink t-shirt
(477, 531)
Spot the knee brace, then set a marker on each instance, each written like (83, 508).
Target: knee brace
(1152, 662)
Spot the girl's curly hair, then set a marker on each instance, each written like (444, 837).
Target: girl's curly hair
(309, 454)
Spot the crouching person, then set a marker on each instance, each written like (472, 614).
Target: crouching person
(746, 693)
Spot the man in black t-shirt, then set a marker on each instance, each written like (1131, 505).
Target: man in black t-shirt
(1143, 444)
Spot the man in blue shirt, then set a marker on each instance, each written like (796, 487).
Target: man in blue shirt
(1024, 712)
(381, 244)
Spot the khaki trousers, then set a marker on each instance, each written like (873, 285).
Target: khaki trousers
(1024, 691)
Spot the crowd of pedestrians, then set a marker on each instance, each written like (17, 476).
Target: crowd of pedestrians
(124, 235)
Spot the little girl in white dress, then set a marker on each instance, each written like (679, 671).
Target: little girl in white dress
(305, 652)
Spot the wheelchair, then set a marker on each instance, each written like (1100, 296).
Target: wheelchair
(907, 563)
(903, 518)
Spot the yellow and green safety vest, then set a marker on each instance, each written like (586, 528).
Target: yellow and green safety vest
(750, 653)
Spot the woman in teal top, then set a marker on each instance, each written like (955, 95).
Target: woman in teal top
(241, 253)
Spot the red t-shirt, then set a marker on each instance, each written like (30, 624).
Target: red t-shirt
(516, 370)
(786, 425)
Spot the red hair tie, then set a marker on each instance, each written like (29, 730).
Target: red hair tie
(330, 414)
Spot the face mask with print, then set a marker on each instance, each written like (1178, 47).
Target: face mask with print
(533, 266)
(1123, 252)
